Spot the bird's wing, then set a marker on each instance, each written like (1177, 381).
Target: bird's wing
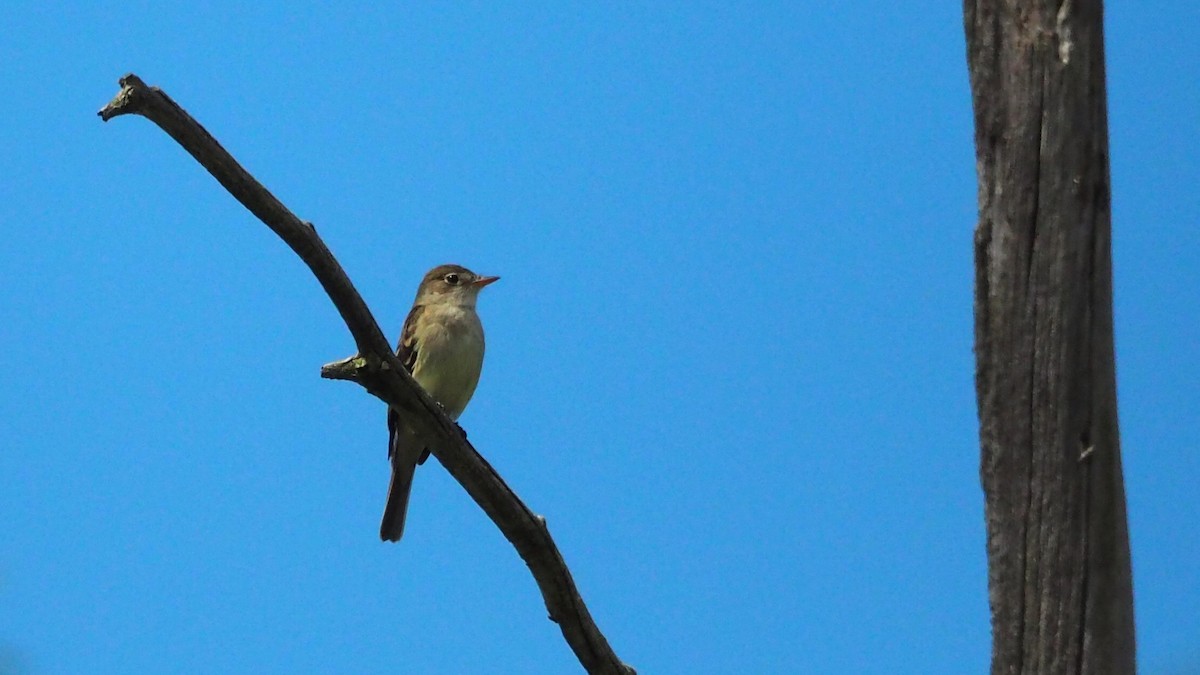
(406, 351)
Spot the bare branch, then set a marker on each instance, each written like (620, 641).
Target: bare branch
(380, 373)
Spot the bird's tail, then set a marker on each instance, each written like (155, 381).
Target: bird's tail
(405, 453)
(392, 527)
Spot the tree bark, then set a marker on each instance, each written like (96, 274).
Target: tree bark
(1059, 573)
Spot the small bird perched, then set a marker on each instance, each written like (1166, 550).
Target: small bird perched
(442, 347)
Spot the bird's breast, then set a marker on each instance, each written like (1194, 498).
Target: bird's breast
(450, 357)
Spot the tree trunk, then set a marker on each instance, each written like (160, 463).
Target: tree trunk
(1059, 574)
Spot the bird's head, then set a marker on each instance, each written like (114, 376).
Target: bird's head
(451, 285)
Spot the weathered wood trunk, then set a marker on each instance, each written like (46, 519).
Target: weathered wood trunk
(1059, 572)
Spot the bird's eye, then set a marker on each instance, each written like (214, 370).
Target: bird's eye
(452, 279)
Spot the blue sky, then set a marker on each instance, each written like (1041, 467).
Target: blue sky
(729, 359)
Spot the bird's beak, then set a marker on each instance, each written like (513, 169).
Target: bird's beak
(484, 281)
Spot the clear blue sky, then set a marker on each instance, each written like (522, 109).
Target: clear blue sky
(729, 360)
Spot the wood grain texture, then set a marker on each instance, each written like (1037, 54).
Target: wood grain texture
(1059, 573)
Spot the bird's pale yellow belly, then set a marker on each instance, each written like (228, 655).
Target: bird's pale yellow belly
(449, 360)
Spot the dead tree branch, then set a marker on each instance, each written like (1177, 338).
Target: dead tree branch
(378, 371)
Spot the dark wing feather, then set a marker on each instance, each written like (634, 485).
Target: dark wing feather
(406, 351)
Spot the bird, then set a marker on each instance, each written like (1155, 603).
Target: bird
(441, 346)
